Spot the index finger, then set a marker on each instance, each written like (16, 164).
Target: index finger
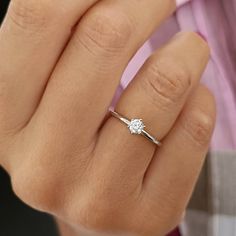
(32, 37)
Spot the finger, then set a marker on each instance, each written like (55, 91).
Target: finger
(85, 80)
(157, 95)
(31, 39)
(173, 172)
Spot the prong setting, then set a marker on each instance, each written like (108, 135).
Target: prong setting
(136, 126)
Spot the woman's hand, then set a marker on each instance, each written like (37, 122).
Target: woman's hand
(64, 155)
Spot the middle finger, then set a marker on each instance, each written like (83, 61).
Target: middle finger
(85, 79)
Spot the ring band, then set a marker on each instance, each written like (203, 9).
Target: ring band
(136, 126)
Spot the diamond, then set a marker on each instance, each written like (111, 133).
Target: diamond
(136, 126)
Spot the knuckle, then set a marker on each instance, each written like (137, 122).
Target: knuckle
(166, 81)
(170, 217)
(159, 223)
(199, 125)
(174, 221)
(35, 190)
(170, 222)
(101, 30)
(30, 15)
(93, 214)
(162, 217)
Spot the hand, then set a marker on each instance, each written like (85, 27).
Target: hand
(64, 154)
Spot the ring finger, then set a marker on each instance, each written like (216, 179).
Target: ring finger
(157, 95)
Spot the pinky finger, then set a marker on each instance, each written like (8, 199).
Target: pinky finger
(175, 168)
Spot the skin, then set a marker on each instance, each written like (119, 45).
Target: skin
(60, 65)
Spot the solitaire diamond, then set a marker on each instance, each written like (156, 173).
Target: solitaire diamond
(136, 126)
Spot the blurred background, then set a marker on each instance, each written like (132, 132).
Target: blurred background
(17, 219)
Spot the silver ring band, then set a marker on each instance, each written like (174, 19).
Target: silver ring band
(136, 126)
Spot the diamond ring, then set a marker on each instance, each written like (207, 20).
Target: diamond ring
(136, 126)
